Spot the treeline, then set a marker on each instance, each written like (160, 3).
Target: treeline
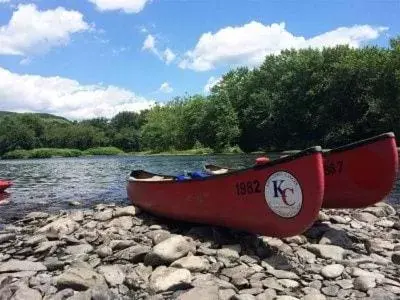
(295, 99)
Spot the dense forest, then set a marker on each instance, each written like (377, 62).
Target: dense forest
(295, 99)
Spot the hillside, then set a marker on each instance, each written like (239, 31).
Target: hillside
(45, 116)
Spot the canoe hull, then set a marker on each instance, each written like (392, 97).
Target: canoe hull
(360, 174)
(5, 184)
(281, 198)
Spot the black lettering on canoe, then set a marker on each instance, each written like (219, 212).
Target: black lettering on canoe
(332, 168)
(248, 187)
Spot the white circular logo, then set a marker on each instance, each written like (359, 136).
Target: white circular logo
(283, 194)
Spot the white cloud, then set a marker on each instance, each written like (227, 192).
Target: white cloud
(65, 97)
(250, 43)
(168, 56)
(128, 6)
(118, 51)
(212, 81)
(149, 44)
(4, 1)
(166, 88)
(25, 61)
(31, 31)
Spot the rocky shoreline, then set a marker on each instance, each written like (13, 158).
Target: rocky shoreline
(112, 252)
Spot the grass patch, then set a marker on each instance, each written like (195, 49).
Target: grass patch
(42, 153)
(103, 151)
(16, 154)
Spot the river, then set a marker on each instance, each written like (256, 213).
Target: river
(51, 184)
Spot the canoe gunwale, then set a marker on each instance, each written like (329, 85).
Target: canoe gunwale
(306, 152)
(351, 146)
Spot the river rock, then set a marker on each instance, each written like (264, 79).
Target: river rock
(104, 215)
(168, 251)
(282, 274)
(286, 297)
(52, 264)
(25, 293)
(336, 237)
(37, 215)
(385, 223)
(138, 278)
(124, 222)
(227, 256)
(104, 251)
(314, 297)
(79, 278)
(7, 237)
(77, 215)
(288, 283)
(121, 244)
(48, 245)
(332, 271)
(62, 226)
(36, 239)
(133, 254)
(226, 294)
(112, 274)
(79, 249)
(165, 279)
(345, 283)
(365, 217)
(381, 210)
(364, 283)
(272, 283)
(396, 258)
(268, 294)
(357, 272)
(327, 251)
(330, 290)
(192, 263)
(157, 236)
(14, 265)
(126, 211)
(241, 271)
(201, 293)
(305, 256)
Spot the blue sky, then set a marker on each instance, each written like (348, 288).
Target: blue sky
(88, 58)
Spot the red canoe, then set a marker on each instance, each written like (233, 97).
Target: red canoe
(5, 184)
(356, 175)
(280, 198)
(361, 173)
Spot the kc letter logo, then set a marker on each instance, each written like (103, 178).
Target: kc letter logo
(283, 194)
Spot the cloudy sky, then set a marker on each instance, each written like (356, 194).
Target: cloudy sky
(89, 58)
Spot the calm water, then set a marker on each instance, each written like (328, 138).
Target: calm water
(50, 184)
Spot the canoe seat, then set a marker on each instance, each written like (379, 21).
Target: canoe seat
(140, 175)
(220, 171)
(153, 178)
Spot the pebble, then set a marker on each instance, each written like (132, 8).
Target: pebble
(164, 279)
(168, 251)
(114, 252)
(332, 271)
(364, 283)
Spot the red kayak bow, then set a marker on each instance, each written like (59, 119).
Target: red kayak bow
(5, 184)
